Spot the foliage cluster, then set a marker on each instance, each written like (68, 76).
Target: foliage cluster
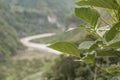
(66, 68)
(107, 40)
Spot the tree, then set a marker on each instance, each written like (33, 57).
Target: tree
(107, 40)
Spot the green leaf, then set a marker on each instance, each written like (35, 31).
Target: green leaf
(114, 45)
(96, 45)
(108, 52)
(118, 1)
(66, 47)
(86, 44)
(110, 4)
(113, 70)
(111, 34)
(87, 14)
(89, 59)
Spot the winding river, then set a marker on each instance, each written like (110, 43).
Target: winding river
(27, 42)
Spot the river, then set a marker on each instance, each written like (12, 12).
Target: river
(27, 42)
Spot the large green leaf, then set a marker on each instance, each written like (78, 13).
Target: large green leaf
(88, 14)
(110, 4)
(86, 44)
(111, 34)
(66, 47)
(108, 52)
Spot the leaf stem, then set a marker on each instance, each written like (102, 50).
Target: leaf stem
(104, 21)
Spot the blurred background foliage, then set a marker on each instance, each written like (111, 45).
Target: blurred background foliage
(21, 18)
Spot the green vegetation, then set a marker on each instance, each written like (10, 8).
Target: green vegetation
(95, 42)
(106, 42)
(17, 20)
(9, 42)
(27, 22)
(19, 69)
(30, 17)
(26, 19)
(66, 68)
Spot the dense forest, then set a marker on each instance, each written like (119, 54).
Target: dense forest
(9, 41)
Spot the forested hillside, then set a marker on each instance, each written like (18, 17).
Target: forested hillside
(28, 22)
(8, 38)
(29, 17)
(9, 42)
(57, 7)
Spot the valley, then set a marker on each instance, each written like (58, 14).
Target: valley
(21, 19)
(89, 50)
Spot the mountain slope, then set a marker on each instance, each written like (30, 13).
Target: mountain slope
(56, 7)
(8, 39)
(30, 17)
(9, 42)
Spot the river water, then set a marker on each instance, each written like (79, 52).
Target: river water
(27, 42)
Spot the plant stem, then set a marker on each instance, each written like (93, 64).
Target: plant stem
(104, 21)
(95, 73)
